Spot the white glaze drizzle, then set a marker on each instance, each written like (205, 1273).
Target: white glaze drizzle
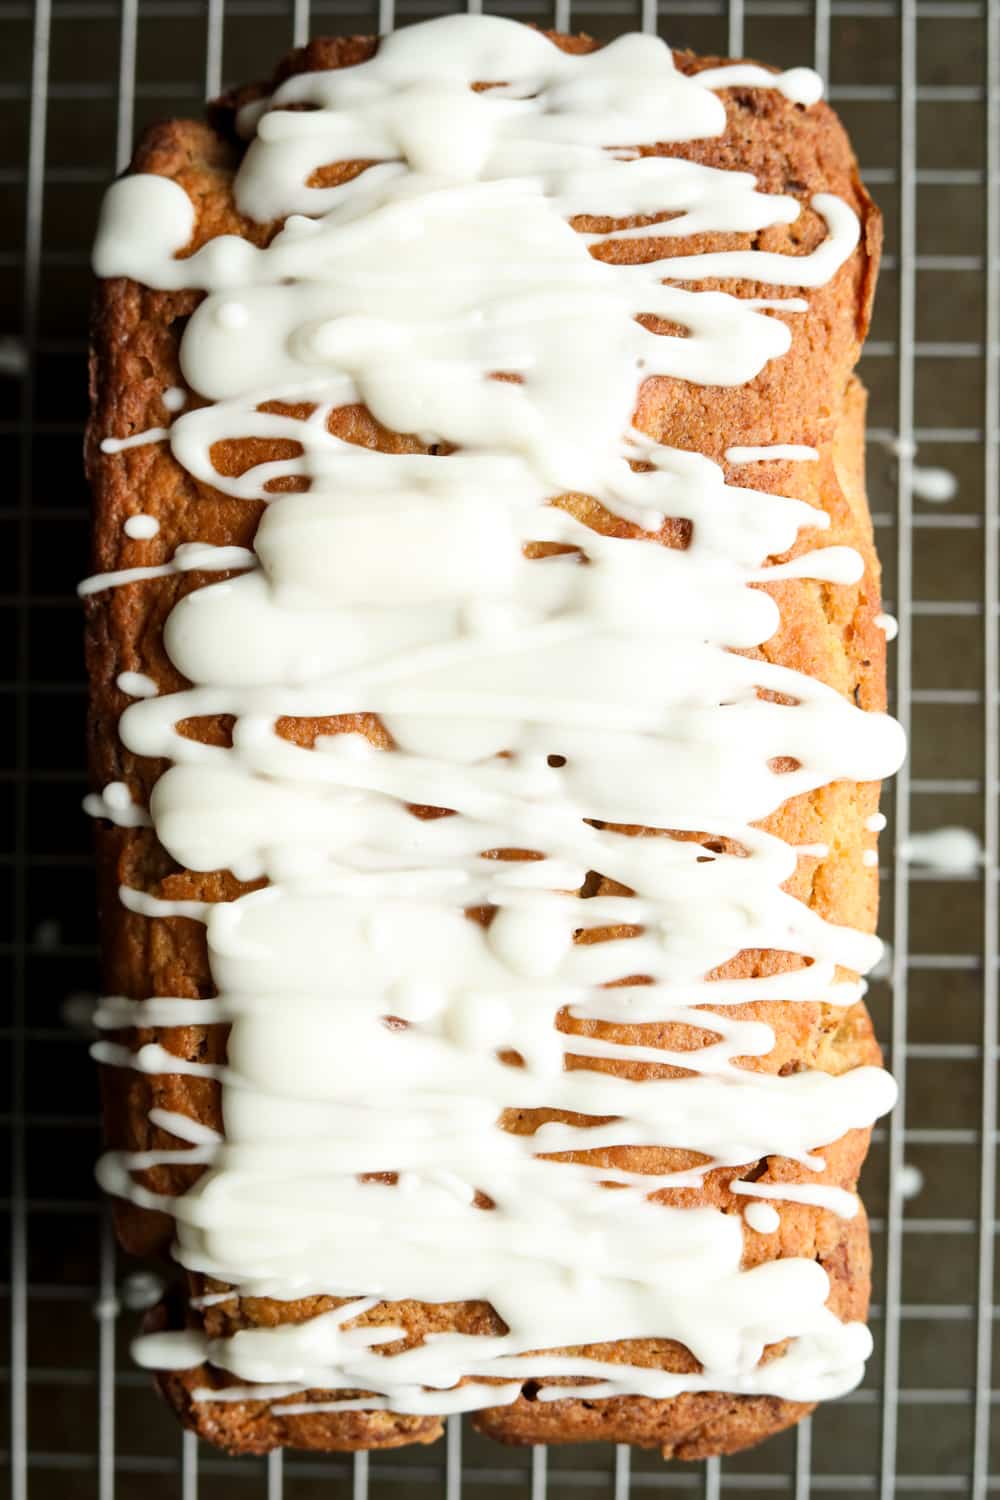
(762, 1218)
(525, 695)
(889, 624)
(818, 1194)
(154, 906)
(137, 440)
(212, 1299)
(137, 684)
(190, 557)
(141, 527)
(115, 803)
(174, 398)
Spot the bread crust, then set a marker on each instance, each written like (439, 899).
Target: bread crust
(809, 396)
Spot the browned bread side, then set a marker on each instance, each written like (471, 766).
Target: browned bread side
(808, 396)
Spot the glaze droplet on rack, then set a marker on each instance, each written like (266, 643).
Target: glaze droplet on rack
(535, 698)
(944, 851)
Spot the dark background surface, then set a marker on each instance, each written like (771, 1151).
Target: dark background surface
(911, 88)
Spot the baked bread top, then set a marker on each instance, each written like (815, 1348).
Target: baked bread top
(655, 681)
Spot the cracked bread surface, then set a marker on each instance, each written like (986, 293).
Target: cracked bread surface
(808, 396)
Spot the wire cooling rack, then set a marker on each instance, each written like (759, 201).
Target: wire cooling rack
(918, 84)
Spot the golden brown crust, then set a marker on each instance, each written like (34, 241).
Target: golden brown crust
(809, 396)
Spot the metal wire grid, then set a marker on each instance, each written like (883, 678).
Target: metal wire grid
(920, 86)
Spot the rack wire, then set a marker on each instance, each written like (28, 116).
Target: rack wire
(918, 82)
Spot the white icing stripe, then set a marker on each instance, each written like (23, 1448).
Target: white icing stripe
(152, 906)
(115, 1012)
(632, 1005)
(137, 440)
(212, 1299)
(152, 1058)
(190, 557)
(818, 1194)
(762, 1218)
(824, 1360)
(136, 685)
(472, 1396)
(699, 1114)
(141, 527)
(184, 1127)
(800, 85)
(115, 803)
(532, 696)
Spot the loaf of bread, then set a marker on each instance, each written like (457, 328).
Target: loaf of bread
(493, 765)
